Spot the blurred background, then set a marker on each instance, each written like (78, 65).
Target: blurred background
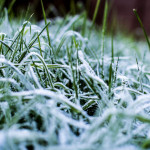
(121, 10)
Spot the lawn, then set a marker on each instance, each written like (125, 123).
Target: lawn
(67, 84)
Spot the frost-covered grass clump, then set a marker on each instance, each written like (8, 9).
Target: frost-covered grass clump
(63, 89)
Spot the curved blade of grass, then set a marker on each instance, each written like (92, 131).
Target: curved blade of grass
(21, 76)
(43, 62)
(32, 42)
(20, 32)
(10, 80)
(69, 25)
(12, 56)
(90, 72)
(88, 104)
(59, 84)
(6, 45)
(67, 35)
(35, 78)
(54, 96)
(142, 26)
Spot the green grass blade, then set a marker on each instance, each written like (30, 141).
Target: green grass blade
(110, 68)
(18, 35)
(32, 42)
(40, 46)
(142, 26)
(2, 42)
(47, 30)
(44, 64)
(94, 16)
(103, 35)
(11, 5)
(84, 24)
(72, 6)
(73, 75)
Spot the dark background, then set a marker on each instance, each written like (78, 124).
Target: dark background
(121, 9)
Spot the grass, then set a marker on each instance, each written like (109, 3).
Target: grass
(142, 26)
(64, 100)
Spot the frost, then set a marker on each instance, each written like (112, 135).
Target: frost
(2, 56)
(89, 70)
(2, 139)
(63, 100)
(5, 25)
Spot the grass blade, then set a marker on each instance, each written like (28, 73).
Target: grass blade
(32, 42)
(142, 26)
(103, 35)
(94, 16)
(47, 30)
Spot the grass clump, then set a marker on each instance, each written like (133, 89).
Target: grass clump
(57, 92)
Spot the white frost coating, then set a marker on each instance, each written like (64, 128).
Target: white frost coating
(5, 26)
(89, 70)
(21, 76)
(34, 77)
(132, 67)
(123, 94)
(140, 128)
(127, 147)
(2, 57)
(141, 103)
(42, 60)
(2, 34)
(76, 146)
(62, 136)
(71, 33)
(4, 105)
(26, 58)
(23, 134)
(67, 35)
(137, 82)
(121, 88)
(25, 23)
(8, 80)
(67, 27)
(142, 98)
(70, 121)
(142, 107)
(20, 134)
(123, 78)
(34, 54)
(97, 122)
(53, 95)
(2, 139)
(35, 28)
